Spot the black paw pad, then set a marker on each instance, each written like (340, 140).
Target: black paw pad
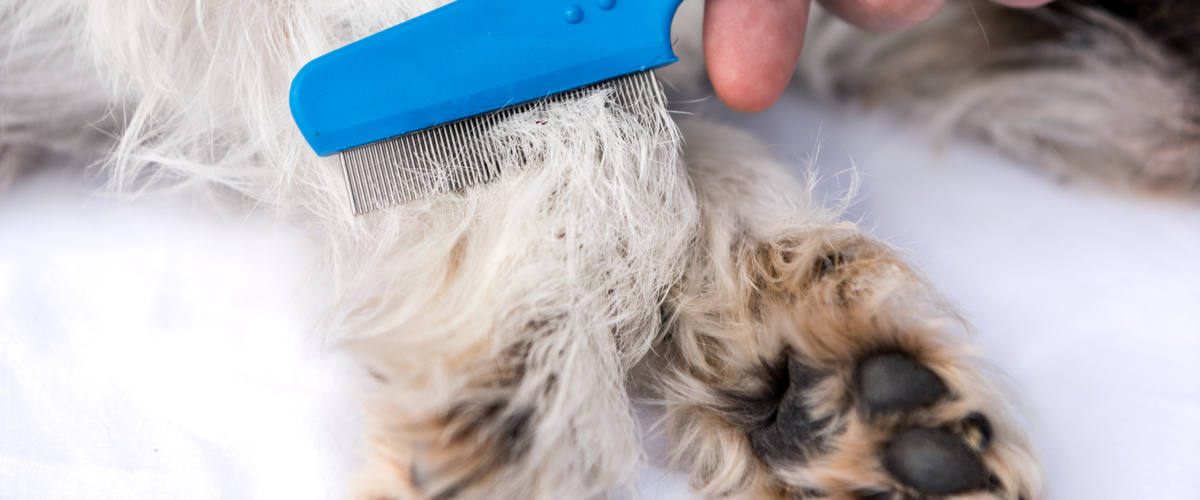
(788, 435)
(894, 381)
(935, 461)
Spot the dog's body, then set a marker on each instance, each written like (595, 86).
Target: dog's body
(793, 356)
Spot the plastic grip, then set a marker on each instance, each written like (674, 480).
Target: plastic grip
(471, 57)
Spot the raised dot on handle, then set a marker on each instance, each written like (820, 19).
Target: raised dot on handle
(606, 4)
(573, 14)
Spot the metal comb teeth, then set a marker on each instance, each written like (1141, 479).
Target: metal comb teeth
(463, 153)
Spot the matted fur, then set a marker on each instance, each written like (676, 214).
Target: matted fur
(504, 322)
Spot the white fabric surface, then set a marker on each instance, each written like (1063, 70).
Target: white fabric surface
(158, 351)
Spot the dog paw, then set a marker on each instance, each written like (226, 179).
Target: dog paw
(842, 376)
(890, 428)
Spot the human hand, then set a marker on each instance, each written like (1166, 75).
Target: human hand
(752, 46)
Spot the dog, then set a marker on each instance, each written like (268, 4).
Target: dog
(792, 355)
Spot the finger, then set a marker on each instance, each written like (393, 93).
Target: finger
(751, 48)
(1022, 3)
(885, 15)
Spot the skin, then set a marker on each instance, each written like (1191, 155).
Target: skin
(752, 46)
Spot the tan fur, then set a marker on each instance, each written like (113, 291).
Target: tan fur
(756, 289)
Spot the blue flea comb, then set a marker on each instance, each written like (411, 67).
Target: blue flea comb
(409, 108)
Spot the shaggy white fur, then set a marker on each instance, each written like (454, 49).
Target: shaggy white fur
(504, 321)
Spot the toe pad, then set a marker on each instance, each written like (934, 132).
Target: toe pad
(934, 460)
(894, 381)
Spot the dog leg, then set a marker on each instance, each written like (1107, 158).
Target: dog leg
(502, 319)
(545, 416)
(805, 360)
